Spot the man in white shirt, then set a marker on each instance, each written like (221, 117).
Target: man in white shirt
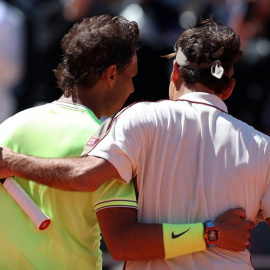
(190, 158)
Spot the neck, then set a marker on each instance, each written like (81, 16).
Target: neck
(197, 87)
(86, 99)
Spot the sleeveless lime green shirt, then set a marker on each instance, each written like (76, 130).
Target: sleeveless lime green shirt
(72, 240)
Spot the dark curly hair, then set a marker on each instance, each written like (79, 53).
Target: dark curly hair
(91, 46)
(199, 44)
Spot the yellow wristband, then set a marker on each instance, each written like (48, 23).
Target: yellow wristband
(181, 239)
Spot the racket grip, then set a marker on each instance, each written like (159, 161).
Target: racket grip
(41, 220)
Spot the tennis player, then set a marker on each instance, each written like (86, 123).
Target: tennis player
(96, 77)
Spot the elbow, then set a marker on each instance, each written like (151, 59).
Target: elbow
(89, 173)
(118, 250)
(118, 255)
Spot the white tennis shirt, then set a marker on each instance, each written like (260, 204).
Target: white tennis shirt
(192, 161)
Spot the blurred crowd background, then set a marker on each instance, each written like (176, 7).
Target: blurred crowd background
(31, 31)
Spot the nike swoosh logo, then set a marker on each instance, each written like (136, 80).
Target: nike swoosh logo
(178, 235)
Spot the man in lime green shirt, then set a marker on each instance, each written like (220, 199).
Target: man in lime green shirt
(72, 240)
(61, 129)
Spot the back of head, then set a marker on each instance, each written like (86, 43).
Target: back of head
(206, 54)
(91, 46)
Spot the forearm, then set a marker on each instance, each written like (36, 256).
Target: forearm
(57, 173)
(142, 241)
(128, 240)
(74, 174)
(148, 241)
(139, 242)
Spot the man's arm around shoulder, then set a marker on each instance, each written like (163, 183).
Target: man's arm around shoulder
(128, 240)
(73, 174)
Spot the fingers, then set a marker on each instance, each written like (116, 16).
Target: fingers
(248, 243)
(232, 213)
(241, 212)
(235, 229)
(250, 224)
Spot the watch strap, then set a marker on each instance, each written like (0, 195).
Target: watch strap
(211, 234)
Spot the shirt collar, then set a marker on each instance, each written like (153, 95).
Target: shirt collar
(205, 98)
(71, 105)
(76, 107)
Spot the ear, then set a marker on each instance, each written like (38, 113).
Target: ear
(175, 73)
(109, 74)
(229, 90)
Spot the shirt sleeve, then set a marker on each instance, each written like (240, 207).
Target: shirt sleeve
(124, 143)
(115, 194)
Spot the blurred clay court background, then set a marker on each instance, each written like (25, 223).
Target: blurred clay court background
(30, 34)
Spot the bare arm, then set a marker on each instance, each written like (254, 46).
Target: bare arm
(80, 174)
(128, 240)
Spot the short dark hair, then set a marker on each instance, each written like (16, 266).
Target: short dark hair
(91, 46)
(199, 44)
